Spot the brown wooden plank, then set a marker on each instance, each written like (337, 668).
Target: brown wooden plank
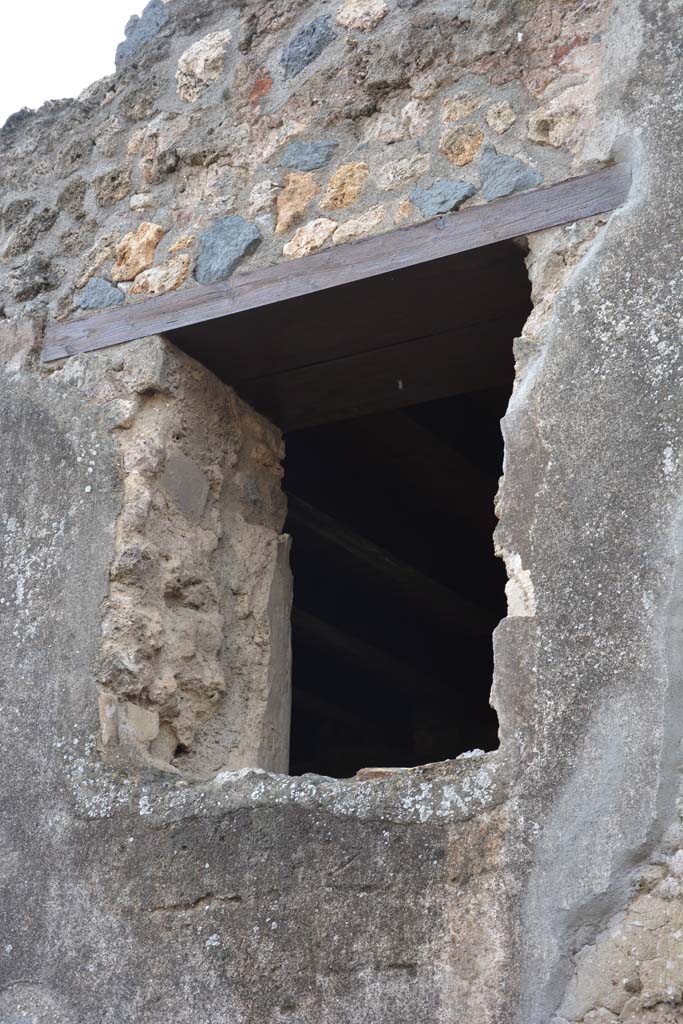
(451, 609)
(476, 226)
(418, 370)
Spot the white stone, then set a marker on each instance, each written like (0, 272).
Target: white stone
(500, 117)
(397, 172)
(362, 14)
(262, 197)
(358, 227)
(201, 64)
(142, 201)
(310, 237)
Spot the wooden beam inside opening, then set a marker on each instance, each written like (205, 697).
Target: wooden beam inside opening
(515, 215)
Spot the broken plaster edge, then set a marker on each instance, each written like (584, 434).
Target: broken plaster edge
(460, 790)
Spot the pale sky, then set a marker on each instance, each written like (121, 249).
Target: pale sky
(53, 49)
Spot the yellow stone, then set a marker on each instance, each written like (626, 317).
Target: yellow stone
(344, 186)
(461, 145)
(310, 237)
(184, 242)
(292, 201)
(164, 278)
(135, 251)
(454, 108)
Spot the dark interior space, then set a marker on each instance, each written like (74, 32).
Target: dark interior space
(390, 392)
(397, 590)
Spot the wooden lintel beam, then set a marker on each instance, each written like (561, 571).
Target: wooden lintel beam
(519, 214)
(462, 615)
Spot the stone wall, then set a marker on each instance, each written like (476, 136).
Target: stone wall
(242, 134)
(537, 884)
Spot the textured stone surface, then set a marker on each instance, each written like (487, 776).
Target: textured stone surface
(461, 145)
(441, 197)
(262, 197)
(500, 117)
(501, 174)
(458, 107)
(223, 246)
(113, 186)
(30, 230)
(164, 278)
(135, 251)
(308, 156)
(201, 64)
(307, 44)
(345, 186)
(362, 14)
(31, 277)
(132, 145)
(98, 294)
(359, 227)
(293, 199)
(141, 30)
(396, 173)
(310, 237)
(551, 126)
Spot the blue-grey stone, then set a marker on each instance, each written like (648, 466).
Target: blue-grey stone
(307, 44)
(223, 246)
(308, 156)
(441, 197)
(140, 30)
(98, 294)
(501, 175)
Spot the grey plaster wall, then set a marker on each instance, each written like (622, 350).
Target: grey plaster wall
(594, 486)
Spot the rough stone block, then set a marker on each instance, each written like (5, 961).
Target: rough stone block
(460, 145)
(362, 14)
(135, 252)
(164, 278)
(201, 64)
(293, 199)
(501, 175)
(140, 30)
(500, 117)
(308, 156)
(441, 197)
(146, 367)
(344, 186)
(310, 237)
(98, 294)
(30, 278)
(223, 246)
(308, 44)
(359, 227)
(186, 484)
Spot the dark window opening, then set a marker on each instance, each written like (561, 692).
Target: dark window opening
(397, 589)
(390, 392)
